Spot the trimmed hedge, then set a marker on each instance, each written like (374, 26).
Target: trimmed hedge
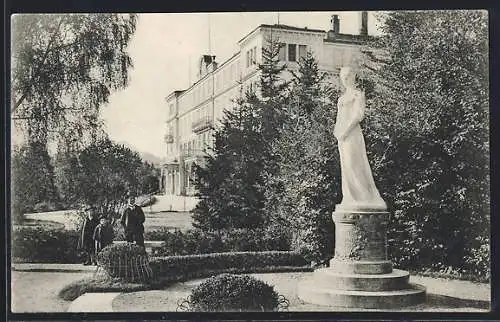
(178, 243)
(42, 245)
(178, 268)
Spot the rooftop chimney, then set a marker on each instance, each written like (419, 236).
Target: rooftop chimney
(363, 29)
(335, 24)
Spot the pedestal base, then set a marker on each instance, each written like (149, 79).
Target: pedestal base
(322, 293)
(360, 276)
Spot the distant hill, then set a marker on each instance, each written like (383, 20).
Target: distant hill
(151, 158)
(146, 156)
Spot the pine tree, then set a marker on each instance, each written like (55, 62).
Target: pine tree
(230, 183)
(233, 183)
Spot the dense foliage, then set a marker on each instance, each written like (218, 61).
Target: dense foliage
(234, 240)
(149, 178)
(175, 268)
(227, 292)
(44, 245)
(307, 183)
(64, 67)
(101, 175)
(32, 180)
(427, 136)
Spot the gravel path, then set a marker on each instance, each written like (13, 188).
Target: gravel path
(443, 295)
(37, 291)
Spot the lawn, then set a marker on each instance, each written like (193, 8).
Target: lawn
(154, 220)
(173, 220)
(38, 291)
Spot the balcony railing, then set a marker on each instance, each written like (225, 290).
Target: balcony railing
(192, 152)
(169, 138)
(201, 124)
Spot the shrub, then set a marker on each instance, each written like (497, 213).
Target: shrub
(174, 268)
(197, 242)
(227, 292)
(39, 245)
(478, 262)
(128, 262)
(243, 240)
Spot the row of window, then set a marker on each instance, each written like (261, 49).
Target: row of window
(187, 120)
(228, 76)
(251, 57)
(288, 52)
(199, 143)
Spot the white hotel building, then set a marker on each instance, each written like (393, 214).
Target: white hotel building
(192, 113)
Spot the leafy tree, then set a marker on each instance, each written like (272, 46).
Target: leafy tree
(32, 179)
(105, 174)
(65, 169)
(149, 178)
(427, 129)
(308, 174)
(64, 66)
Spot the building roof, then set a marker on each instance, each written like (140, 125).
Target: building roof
(346, 38)
(283, 27)
(177, 92)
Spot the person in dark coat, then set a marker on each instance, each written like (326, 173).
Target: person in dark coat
(103, 235)
(86, 240)
(132, 221)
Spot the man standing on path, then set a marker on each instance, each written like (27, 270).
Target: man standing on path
(132, 221)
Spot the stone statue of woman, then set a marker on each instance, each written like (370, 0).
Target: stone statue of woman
(358, 187)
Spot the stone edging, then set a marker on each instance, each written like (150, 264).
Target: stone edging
(93, 302)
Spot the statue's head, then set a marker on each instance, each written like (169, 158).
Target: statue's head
(347, 76)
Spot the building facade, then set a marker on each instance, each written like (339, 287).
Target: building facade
(193, 113)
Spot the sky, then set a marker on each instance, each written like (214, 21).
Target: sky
(165, 49)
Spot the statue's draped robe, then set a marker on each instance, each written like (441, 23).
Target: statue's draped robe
(358, 187)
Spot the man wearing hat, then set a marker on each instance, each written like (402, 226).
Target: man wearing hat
(86, 240)
(132, 221)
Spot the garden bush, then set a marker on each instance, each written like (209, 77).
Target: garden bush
(127, 262)
(195, 241)
(173, 268)
(227, 292)
(42, 245)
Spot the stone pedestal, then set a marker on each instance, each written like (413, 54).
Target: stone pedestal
(360, 276)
